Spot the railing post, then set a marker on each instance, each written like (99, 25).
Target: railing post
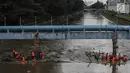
(100, 31)
(36, 41)
(68, 34)
(51, 20)
(20, 21)
(38, 34)
(67, 20)
(106, 32)
(35, 20)
(7, 31)
(115, 43)
(53, 31)
(84, 32)
(129, 34)
(37, 30)
(4, 21)
(62, 31)
(115, 34)
(117, 28)
(22, 31)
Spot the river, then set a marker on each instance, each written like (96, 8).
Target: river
(78, 65)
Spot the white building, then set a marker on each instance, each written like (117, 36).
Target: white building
(122, 6)
(112, 5)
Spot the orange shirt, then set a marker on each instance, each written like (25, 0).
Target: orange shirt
(108, 57)
(117, 58)
(23, 58)
(33, 54)
(113, 59)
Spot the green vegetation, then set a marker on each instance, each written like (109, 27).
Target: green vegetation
(43, 9)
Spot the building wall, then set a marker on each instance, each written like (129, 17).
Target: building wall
(112, 8)
(113, 2)
(112, 5)
(123, 8)
(127, 8)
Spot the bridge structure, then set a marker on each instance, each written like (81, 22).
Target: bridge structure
(65, 32)
(113, 32)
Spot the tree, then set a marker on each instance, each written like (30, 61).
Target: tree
(27, 9)
(97, 5)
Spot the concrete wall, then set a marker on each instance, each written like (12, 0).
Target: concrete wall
(112, 8)
(122, 7)
(127, 8)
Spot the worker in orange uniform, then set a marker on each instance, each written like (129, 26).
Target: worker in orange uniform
(23, 58)
(108, 58)
(14, 54)
(117, 58)
(33, 55)
(18, 56)
(113, 60)
(124, 59)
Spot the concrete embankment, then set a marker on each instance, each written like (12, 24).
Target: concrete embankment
(117, 18)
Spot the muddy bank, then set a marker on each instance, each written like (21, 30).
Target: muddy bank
(55, 50)
(52, 49)
(58, 50)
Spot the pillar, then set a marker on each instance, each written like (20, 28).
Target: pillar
(114, 68)
(114, 41)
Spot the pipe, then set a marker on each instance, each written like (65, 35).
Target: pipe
(65, 28)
